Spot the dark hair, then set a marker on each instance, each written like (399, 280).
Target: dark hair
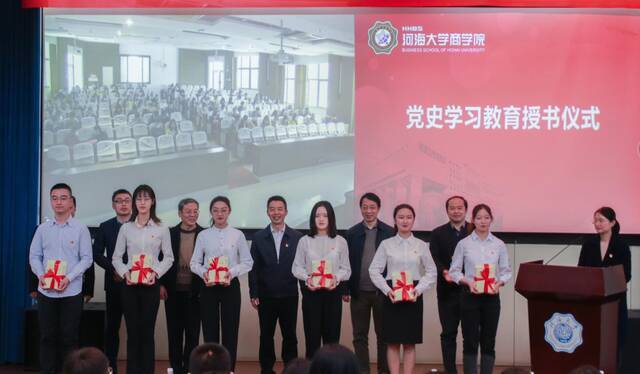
(118, 192)
(218, 198)
(210, 358)
(75, 202)
(609, 214)
(139, 191)
(61, 186)
(87, 360)
(480, 207)
(332, 231)
(466, 204)
(515, 370)
(277, 198)
(397, 209)
(371, 196)
(297, 366)
(186, 201)
(334, 359)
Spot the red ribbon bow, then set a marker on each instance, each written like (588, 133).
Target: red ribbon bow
(143, 271)
(401, 284)
(488, 282)
(53, 274)
(213, 265)
(320, 273)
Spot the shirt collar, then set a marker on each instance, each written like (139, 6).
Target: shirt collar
(462, 228)
(400, 239)
(69, 222)
(475, 237)
(275, 231)
(150, 223)
(364, 224)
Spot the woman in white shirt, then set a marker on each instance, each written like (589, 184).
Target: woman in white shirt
(480, 311)
(321, 305)
(402, 320)
(220, 303)
(143, 235)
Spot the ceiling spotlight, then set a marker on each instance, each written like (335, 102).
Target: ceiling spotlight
(119, 32)
(129, 22)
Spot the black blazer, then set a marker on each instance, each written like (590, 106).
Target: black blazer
(168, 280)
(271, 276)
(105, 240)
(618, 253)
(355, 240)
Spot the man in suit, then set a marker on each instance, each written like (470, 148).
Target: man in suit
(180, 288)
(103, 247)
(444, 240)
(363, 240)
(272, 287)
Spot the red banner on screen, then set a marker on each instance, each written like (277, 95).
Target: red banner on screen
(535, 114)
(324, 4)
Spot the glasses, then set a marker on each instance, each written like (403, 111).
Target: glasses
(122, 201)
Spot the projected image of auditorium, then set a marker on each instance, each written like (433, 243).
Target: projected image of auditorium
(199, 105)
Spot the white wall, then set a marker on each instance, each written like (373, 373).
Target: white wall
(512, 343)
(164, 60)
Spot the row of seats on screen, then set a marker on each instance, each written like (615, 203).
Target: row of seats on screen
(88, 153)
(272, 133)
(112, 132)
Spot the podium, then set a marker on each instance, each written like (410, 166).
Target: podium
(573, 315)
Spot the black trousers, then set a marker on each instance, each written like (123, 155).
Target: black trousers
(480, 316)
(59, 320)
(182, 309)
(140, 311)
(321, 316)
(270, 310)
(220, 307)
(367, 303)
(449, 313)
(112, 325)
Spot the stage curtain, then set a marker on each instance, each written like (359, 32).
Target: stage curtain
(19, 173)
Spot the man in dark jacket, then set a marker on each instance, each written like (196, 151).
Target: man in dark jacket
(181, 288)
(272, 286)
(363, 240)
(103, 246)
(442, 245)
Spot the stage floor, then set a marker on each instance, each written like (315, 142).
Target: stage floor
(242, 368)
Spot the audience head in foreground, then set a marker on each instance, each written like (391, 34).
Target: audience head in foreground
(210, 358)
(88, 360)
(334, 359)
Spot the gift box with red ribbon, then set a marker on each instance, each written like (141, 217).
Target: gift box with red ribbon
(402, 286)
(322, 275)
(485, 279)
(55, 272)
(141, 268)
(218, 270)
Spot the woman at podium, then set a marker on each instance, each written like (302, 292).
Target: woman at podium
(608, 249)
(486, 267)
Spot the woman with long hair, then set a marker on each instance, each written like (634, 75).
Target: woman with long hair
(146, 236)
(321, 263)
(605, 249)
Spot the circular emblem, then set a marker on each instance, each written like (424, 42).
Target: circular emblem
(383, 37)
(563, 332)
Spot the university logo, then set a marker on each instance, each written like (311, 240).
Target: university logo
(563, 332)
(383, 37)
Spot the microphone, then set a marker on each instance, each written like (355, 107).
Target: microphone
(580, 238)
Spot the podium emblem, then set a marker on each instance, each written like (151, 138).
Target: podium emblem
(563, 332)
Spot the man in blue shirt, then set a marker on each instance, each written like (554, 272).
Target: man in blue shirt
(59, 311)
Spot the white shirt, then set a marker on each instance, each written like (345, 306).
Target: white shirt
(215, 242)
(321, 247)
(398, 254)
(277, 239)
(472, 251)
(149, 239)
